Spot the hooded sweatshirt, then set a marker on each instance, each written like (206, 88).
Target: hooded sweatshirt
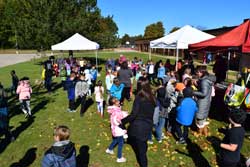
(116, 115)
(61, 154)
(24, 90)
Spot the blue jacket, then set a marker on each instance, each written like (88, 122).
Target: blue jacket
(116, 91)
(186, 111)
(161, 72)
(61, 154)
(93, 73)
(70, 87)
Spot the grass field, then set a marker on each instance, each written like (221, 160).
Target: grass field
(90, 132)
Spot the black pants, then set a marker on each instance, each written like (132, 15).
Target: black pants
(181, 134)
(159, 81)
(140, 148)
(71, 104)
(151, 77)
(125, 93)
(228, 164)
(83, 101)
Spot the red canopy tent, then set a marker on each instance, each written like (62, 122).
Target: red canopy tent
(239, 37)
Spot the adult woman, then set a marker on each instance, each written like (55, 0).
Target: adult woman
(124, 75)
(141, 121)
(203, 94)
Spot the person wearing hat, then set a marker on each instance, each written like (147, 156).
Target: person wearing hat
(185, 115)
(233, 140)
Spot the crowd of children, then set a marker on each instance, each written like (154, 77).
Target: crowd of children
(179, 96)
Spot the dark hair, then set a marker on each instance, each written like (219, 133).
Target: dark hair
(99, 83)
(112, 100)
(238, 116)
(202, 69)
(13, 72)
(144, 90)
(115, 80)
(124, 65)
(188, 82)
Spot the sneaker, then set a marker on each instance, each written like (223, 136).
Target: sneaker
(108, 151)
(125, 136)
(150, 142)
(73, 111)
(181, 141)
(120, 160)
(159, 141)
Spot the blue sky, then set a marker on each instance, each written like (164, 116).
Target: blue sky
(132, 16)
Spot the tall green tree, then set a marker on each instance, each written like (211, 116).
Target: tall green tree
(38, 24)
(154, 30)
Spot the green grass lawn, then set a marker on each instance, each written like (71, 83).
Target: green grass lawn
(34, 136)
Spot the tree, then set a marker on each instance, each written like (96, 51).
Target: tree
(125, 38)
(174, 29)
(155, 30)
(38, 24)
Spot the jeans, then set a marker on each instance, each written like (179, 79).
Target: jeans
(25, 105)
(48, 81)
(181, 134)
(159, 127)
(117, 140)
(100, 107)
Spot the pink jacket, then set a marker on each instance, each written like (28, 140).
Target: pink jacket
(24, 90)
(116, 115)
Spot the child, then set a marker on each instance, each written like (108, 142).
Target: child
(99, 91)
(161, 73)
(81, 91)
(93, 73)
(116, 89)
(15, 81)
(70, 87)
(88, 78)
(63, 152)
(160, 113)
(109, 82)
(233, 140)
(24, 91)
(185, 115)
(116, 115)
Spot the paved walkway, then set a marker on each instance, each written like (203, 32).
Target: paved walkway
(9, 59)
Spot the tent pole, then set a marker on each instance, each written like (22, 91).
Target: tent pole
(176, 60)
(228, 61)
(149, 58)
(96, 63)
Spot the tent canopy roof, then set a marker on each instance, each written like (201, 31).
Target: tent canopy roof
(238, 37)
(76, 42)
(181, 38)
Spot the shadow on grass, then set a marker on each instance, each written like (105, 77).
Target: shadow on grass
(27, 159)
(82, 159)
(88, 103)
(24, 125)
(194, 151)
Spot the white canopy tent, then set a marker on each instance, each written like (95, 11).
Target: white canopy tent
(77, 42)
(180, 39)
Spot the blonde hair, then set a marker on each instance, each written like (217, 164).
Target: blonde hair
(62, 131)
